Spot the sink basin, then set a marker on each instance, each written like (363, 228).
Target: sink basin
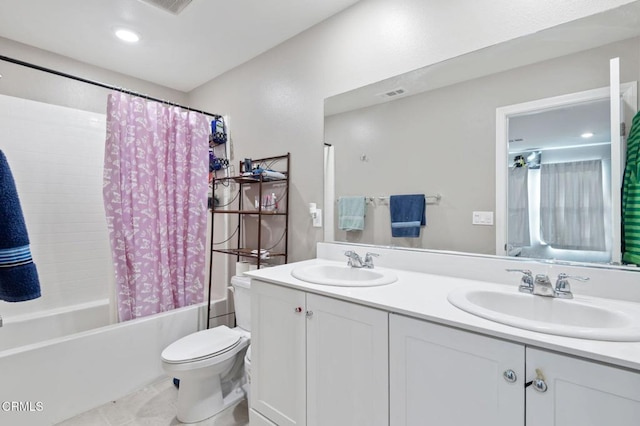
(585, 318)
(343, 275)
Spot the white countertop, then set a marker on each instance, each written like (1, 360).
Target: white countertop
(424, 296)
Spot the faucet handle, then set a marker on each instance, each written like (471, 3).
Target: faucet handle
(354, 259)
(526, 282)
(563, 288)
(351, 254)
(368, 259)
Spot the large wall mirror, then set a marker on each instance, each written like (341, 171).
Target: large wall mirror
(433, 131)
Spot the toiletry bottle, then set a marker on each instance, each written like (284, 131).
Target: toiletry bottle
(274, 202)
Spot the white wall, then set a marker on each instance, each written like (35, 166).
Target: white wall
(276, 100)
(55, 155)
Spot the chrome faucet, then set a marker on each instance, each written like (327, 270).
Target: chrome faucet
(526, 282)
(368, 260)
(563, 288)
(541, 285)
(355, 261)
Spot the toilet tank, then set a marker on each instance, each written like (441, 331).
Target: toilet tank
(242, 300)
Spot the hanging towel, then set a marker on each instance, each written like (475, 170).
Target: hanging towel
(631, 197)
(18, 274)
(351, 213)
(407, 215)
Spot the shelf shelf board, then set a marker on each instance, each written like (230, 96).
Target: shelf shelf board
(251, 212)
(246, 252)
(250, 179)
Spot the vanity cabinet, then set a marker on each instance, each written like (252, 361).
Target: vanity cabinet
(316, 361)
(580, 392)
(447, 377)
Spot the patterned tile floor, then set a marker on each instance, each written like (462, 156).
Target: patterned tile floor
(153, 405)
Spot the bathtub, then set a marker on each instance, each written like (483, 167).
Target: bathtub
(43, 382)
(24, 330)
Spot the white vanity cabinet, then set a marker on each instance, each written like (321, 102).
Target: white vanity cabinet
(448, 377)
(316, 361)
(579, 392)
(442, 376)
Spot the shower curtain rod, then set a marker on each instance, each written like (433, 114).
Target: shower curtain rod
(99, 84)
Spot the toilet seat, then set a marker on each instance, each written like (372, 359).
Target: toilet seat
(202, 345)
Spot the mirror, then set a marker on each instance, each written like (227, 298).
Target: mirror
(432, 131)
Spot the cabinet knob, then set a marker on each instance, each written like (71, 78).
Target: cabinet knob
(309, 314)
(298, 309)
(539, 382)
(510, 376)
(540, 385)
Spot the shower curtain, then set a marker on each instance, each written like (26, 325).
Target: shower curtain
(572, 205)
(518, 234)
(155, 196)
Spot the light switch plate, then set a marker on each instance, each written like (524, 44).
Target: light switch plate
(482, 218)
(317, 220)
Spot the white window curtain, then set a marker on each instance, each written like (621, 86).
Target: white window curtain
(572, 205)
(518, 234)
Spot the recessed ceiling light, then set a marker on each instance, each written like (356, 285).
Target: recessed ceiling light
(587, 135)
(127, 35)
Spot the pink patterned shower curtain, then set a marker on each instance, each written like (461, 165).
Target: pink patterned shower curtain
(155, 196)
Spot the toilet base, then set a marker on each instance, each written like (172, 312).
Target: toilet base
(193, 408)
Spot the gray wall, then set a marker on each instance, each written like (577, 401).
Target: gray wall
(275, 101)
(39, 86)
(443, 141)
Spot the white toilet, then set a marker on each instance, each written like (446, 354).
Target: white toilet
(209, 363)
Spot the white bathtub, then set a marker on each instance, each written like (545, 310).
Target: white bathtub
(44, 382)
(36, 328)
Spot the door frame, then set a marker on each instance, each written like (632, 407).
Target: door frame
(629, 98)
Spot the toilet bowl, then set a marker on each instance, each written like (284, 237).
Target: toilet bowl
(210, 363)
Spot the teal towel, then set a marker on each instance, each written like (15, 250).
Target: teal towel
(351, 213)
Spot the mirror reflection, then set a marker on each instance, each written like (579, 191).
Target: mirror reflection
(559, 180)
(433, 132)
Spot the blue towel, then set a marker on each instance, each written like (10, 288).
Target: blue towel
(407, 215)
(351, 213)
(18, 274)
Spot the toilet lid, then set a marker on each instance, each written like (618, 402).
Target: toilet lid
(201, 345)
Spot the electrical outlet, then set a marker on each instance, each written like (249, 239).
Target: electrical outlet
(482, 218)
(317, 219)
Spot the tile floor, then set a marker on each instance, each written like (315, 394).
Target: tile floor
(153, 405)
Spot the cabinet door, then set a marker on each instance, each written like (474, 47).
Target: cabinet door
(447, 377)
(581, 392)
(278, 353)
(347, 364)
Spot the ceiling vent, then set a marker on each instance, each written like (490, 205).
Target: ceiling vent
(171, 6)
(392, 93)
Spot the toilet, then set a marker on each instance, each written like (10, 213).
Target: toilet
(209, 363)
